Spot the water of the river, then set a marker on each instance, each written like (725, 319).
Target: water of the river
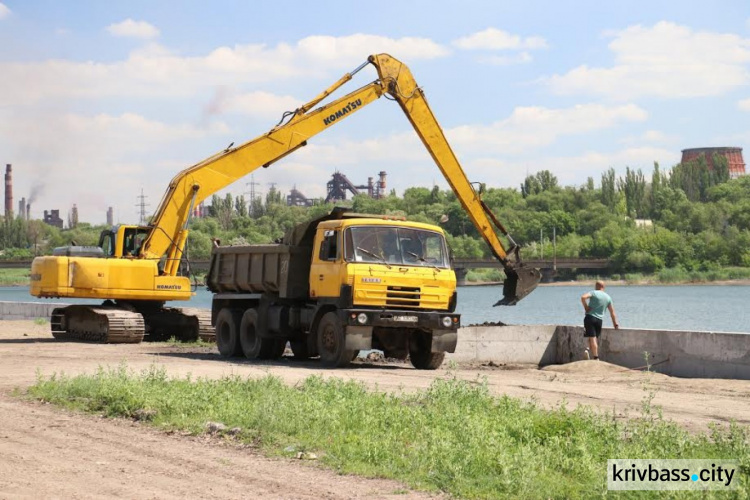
(715, 308)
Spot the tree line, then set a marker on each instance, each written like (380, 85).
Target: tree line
(691, 217)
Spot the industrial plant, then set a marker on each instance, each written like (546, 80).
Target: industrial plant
(338, 188)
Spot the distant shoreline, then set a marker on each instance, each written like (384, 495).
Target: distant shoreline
(739, 282)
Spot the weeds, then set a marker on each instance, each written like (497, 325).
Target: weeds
(174, 342)
(454, 436)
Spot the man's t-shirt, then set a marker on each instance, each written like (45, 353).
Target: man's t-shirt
(598, 302)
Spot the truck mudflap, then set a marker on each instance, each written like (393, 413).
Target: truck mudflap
(360, 323)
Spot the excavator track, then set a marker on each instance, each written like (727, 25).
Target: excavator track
(186, 324)
(102, 324)
(203, 318)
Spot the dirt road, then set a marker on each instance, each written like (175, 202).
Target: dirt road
(49, 453)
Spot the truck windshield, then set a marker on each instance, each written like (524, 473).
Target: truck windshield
(395, 245)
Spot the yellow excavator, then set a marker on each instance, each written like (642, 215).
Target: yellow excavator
(135, 270)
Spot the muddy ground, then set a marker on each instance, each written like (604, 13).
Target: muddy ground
(49, 453)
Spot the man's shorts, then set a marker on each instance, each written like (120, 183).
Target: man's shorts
(592, 326)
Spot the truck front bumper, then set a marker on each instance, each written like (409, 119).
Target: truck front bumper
(360, 323)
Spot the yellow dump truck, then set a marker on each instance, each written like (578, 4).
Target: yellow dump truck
(335, 286)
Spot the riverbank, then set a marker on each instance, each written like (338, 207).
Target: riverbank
(273, 459)
(20, 277)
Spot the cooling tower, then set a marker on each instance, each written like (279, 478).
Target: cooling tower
(733, 156)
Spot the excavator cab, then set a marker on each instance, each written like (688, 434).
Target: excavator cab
(123, 241)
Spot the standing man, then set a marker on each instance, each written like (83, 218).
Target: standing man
(598, 301)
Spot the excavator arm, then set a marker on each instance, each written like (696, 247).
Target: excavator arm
(193, 185)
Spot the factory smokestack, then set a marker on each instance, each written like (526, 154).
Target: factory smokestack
(73, 220)
(22, 208)
(28, 211)
(110, 217)
(8, 191)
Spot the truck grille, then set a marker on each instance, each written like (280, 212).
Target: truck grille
(403, 296)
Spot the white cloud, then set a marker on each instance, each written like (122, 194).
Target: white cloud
(520, 58)
(4, 11)
(133, 29)
(257, 103)
(337, 49)
(570, 170)
(531, 127)
(666, 60)
(495, 39)
(651, 136)
(154, 71)
(99, 160)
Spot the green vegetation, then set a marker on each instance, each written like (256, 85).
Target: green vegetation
(454, 437)
(173, 342)
(10, 277)
(691, 222)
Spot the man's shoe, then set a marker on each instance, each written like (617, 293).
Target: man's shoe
(587, 354)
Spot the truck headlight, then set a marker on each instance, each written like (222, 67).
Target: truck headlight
(447, 321)
(362, 318)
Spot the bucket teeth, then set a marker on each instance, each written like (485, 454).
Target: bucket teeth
(519, 282)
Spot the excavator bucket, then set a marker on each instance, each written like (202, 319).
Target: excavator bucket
(519, 282)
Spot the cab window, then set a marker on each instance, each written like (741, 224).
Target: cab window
(106, 242)
(329, 248)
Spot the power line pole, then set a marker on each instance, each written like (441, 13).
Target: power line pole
(252, 185)
(141, 205)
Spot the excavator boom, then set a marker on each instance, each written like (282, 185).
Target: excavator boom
(196, 183)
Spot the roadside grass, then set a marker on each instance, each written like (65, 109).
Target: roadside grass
(454, 436)
(11, 277)
(174, 342)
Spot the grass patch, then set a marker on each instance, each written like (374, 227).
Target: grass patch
(174, 342)
(454, 437)
(12, 276)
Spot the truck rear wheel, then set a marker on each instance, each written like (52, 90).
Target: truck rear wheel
(420, 353)
(332, 342)
(227, 335)
(253, 345)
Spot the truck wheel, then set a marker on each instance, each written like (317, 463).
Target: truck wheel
(249, 339)
(253, 345)
(227, 338)
(419, 353)
(332, 342)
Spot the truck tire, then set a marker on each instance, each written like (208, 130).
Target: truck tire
(332, 342)
(420, 354)
(253, 345)
(227, 335)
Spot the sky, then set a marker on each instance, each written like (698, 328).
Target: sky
(103, 101)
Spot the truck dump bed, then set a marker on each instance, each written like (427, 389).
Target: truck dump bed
(278, 269)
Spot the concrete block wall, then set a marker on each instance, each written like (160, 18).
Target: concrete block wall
(678, 353)
(26, 310)
(533, 344)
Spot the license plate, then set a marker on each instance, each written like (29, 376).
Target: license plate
(406, 319)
